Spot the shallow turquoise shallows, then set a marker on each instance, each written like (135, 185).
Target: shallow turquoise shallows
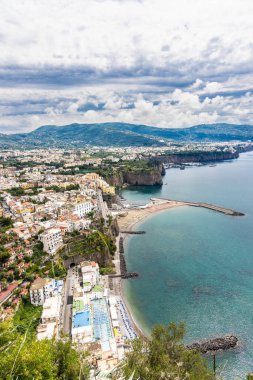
(196, 265)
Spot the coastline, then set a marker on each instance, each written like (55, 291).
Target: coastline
(133, 217)
(136, 215)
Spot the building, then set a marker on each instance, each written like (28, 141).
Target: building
(90, 274)
(52, 240)
(48, 328)
(82, 209)
(43, 289)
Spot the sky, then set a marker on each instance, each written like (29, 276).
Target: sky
(165, 63)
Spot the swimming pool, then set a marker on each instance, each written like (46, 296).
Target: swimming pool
(81, 319)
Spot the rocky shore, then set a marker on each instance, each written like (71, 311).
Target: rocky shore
(213, 345)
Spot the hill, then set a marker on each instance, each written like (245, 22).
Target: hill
(122, 134)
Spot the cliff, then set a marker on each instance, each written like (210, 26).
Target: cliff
(182, 158)
(138, 177)
(145, 178)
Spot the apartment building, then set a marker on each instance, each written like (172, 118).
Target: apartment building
(82, 209)
(52, 240)
(43, 289)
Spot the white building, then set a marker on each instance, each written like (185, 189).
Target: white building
(52, 240)
(48, 328)
(82, 209)
(90, 274)
(43, 289)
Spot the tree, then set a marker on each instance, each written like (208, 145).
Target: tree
(164, 357)
(5, 223)
(4, 255)
(10, 278)
(23, 357)
(16, 191)
(69, 362)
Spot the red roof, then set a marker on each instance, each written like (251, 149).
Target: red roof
(6, 293)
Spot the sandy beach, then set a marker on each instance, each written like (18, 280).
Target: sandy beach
(126, 223)
(135, 215)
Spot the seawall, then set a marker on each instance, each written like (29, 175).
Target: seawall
(223, 210)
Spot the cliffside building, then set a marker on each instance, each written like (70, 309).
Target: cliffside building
(43, 289)
(52, 240)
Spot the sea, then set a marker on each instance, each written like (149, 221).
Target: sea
(196, 265)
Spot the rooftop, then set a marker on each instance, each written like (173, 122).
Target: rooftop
(39, 283)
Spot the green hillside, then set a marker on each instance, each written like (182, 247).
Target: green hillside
(122, 134)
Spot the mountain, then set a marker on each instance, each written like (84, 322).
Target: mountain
(122, 134)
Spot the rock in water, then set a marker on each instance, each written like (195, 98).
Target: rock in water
(217, 344)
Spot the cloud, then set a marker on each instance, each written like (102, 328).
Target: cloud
(165, 63)
(212, 87)
(180, 108)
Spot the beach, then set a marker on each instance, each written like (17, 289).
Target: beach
(126, 223)
(135, 215)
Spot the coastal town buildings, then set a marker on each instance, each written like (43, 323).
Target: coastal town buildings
(50, 318)
(48, 293)
(99, 318)
(44, 288)
(48, 200)
(52, 240)
(82, 209)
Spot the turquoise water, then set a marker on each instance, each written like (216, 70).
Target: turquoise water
(196, 265)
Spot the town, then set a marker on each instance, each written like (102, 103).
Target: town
(61, 248)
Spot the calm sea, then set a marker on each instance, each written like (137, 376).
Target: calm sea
(196, 265)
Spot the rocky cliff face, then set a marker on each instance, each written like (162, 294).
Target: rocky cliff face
(183, 158)
(150, 177)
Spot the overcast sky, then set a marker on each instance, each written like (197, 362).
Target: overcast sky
(167, 63)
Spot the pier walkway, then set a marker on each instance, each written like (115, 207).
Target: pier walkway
(209, 206)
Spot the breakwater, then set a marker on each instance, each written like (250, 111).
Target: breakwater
(133, 232)
(209, 206)
(213, 345)
(123, 268)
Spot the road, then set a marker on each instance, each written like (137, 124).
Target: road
(68, 300)
(101, 205)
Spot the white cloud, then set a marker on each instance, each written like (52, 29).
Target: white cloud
(176, 109)
(212, 87)
(167, 63)
(108, 34)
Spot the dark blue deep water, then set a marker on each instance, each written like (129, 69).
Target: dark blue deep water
(196, 265)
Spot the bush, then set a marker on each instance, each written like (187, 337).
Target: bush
(164, 357)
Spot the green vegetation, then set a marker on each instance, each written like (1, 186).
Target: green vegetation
(16, 191)
(139, 165)
(19, 191)
(5, 224)
(59, 189)
(41, 264)
(27, 316)
(95, 242)
(107, 270)
(57, 269)
(121, 135)
(4, 255)
(23, 357)
(164, 357)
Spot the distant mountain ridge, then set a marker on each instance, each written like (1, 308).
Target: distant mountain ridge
(122, 134)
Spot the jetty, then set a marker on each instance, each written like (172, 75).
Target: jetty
(124, 274)
(223, 210)
(214, 345)
(129, 232)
